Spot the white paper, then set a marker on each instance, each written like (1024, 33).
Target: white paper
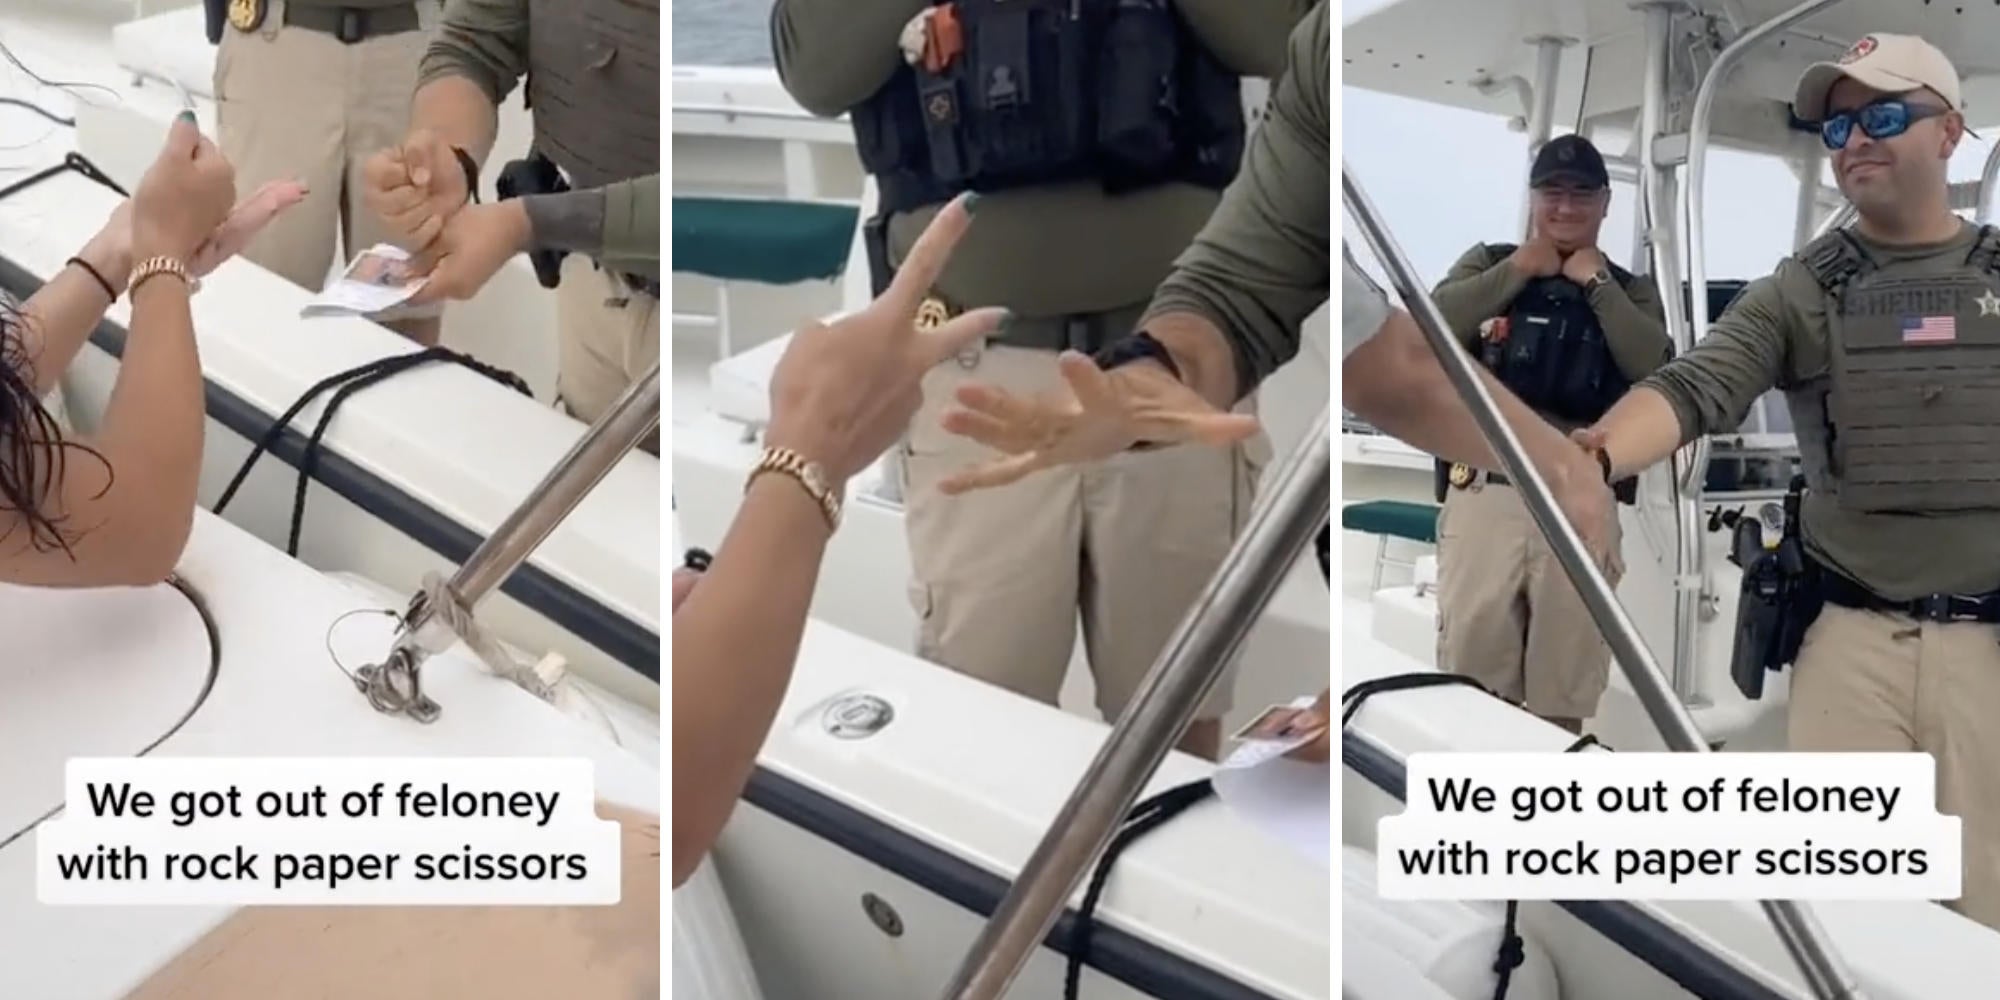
(1289, 800)
(375, 285)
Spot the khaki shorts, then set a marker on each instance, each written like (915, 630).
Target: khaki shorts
(1002, 575)
(1873, 682)
(608, 339)
(294, 103)
(1508, 616)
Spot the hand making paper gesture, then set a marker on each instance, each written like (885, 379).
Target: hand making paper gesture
(1101, 414)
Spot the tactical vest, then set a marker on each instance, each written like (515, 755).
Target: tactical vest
(1555, 355)
(1042, 91)
(1912, 420)
(594, 87)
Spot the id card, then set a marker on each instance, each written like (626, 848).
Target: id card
(1276, 731)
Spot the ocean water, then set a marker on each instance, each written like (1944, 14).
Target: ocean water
(722, 32)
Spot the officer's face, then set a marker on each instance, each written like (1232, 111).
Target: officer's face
(1889, 173)
(1570, 214)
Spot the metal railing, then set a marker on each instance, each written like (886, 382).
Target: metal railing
(1691, 579)
(394, 686)
(1797, 928)
(1208, 639)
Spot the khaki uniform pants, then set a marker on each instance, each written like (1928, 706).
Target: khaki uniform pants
(294, 103)
(1874, 682)
(608, 338)
(1001, 574)
(437, 952)
(1508, 616)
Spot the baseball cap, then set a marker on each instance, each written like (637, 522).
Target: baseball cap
(1888, 63)
(1571, 159)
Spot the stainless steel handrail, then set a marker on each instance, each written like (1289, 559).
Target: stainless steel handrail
(394, 686)
(1987, 171)
(1208, 639)
(1690, 575)
(1796, 926)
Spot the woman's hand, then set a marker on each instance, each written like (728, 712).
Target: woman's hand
(184, 197)
(842, 394)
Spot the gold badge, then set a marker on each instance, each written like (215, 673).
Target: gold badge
(932, 314)
(246, 15)
(1461, 474)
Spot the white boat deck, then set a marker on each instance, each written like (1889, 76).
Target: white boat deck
(276, 694)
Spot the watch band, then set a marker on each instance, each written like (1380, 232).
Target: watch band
(1126, 350)
(806, 473)
(471, 173)
(153, 267)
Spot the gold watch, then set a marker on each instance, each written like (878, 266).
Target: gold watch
(154, 266)
(807, 474)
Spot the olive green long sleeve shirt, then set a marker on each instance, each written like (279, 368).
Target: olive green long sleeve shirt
(1262, 264)
(1052, 250)
(486, 42)
(1776, 336)
(1483, 284)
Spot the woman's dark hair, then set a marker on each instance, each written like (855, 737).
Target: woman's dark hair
(33, 452)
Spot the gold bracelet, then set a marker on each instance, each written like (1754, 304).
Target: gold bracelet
(806, 473)
(154, 266)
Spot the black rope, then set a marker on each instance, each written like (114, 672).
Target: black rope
(1147, 816)
(38, 109)
(71, 161)
(345, 384)
(1513, 948)
(1354, 697)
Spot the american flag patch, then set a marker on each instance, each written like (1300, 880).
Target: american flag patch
(1929, 329)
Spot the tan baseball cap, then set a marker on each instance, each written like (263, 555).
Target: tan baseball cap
(1888, 63)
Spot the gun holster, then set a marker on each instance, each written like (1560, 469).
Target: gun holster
(216, 14)
(875, 243)
(1780, 599)
(531, 175)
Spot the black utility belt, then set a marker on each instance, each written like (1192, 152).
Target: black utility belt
(1983, 608)
(354, 24)
(1087, 333)
(1464, 477)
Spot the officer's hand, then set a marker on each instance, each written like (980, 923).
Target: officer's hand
(842, 394)
(1102, 414)
(415, 188)
(1537, 258)
(471, 249)
(1583, 265)
(1320, 715)
(185, 195)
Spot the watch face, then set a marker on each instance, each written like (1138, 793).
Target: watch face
(812, 477)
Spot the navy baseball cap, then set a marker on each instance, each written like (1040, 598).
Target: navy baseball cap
(1569, 159)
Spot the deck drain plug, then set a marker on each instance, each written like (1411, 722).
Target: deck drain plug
(857, 716)
(882, 914)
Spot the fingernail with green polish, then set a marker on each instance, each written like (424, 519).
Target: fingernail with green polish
(187, 115)
(971, 202)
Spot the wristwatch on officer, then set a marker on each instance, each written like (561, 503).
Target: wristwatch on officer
(1601, 277)
(471, 174)
(1126, 350)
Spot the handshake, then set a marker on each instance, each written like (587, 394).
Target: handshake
(422, 191)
